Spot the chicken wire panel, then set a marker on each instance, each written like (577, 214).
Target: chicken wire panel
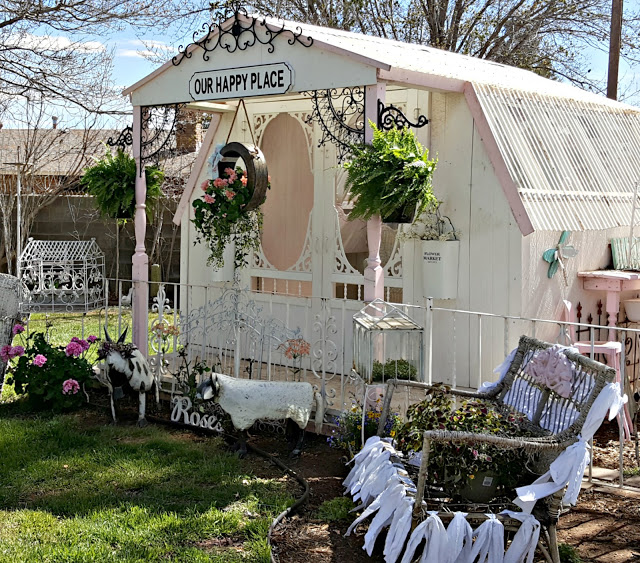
(62, 276)
(575, 162)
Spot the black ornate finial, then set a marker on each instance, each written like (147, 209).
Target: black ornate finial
(124, 139)
(390, 117)
(244, 32)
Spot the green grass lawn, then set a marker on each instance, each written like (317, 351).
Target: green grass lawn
(64, 326)
(76, 490)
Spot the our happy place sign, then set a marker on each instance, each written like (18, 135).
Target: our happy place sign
(248, 81)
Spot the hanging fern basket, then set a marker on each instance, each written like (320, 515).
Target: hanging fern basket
(255, 165)
(404, 214)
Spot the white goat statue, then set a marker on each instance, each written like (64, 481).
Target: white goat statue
(246, 401)
(126, 371)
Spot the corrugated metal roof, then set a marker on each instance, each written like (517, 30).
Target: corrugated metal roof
(574, 162)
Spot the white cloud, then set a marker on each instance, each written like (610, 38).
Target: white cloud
(51, 43)
(133, 53)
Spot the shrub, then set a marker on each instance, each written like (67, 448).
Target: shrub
(52, 377)
(399, 369)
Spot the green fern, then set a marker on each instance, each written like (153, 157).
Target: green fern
(112, 181)
(393, 173)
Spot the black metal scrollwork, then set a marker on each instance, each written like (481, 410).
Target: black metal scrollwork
(158, 132)
(124, 139)
(244, 32)
(390, 117)
(340, 114)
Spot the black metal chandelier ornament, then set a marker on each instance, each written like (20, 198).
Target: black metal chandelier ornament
(245, 31)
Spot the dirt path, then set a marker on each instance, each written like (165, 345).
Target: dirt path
(604, 527)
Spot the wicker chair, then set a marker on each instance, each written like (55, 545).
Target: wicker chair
(10, 290)
(552, 423)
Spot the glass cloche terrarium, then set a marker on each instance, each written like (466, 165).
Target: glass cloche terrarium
(387, 344)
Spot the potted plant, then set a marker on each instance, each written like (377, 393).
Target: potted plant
(391, 177)
(475, 472)
(221, 220)
(112, 181)
(433, 242)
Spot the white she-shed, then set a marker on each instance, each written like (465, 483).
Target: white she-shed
(520, 159)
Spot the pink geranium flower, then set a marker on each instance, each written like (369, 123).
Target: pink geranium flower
(220, 182)
(5, 353)
(39, 360)
(70, 387)
(204, 185)
(17, 329)
(74, 349)
(16, 351)
(231, 173)
(244, 180)
(230, 195)
(209, 199)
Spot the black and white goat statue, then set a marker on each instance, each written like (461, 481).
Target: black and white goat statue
(247, 401)
(126, 371)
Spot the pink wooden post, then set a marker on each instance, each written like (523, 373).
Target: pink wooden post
(140, 259)
(373, 273)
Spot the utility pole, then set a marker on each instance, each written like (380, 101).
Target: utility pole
(19, 169)
(615, 42)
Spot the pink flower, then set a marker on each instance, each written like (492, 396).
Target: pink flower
(230, 195)
(17, 329)
(70, 387)
(85, 345)
(74, 349)
(39, 360)
(209, 199)
(244, 180)
(16, 351)
(269, 178)
(5, 353)
(92, 338)
(204, 185)
(231, 173)
(220, 182)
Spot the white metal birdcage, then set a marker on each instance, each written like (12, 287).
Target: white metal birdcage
(62, 275)
(387, 343)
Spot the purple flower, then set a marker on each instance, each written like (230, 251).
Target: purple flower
(74, 349)
(39, 360)
(5, 352)
(17, 329)
(70, 386)
(92, 338)
(16, 351)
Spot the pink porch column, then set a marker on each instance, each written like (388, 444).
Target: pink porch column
(140, 259)
(373, 273)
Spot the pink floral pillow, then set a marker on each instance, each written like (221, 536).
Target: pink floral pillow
(551, 368)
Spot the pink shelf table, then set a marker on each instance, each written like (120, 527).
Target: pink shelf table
(613, 282)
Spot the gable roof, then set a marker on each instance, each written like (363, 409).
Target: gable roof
(566, 158)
